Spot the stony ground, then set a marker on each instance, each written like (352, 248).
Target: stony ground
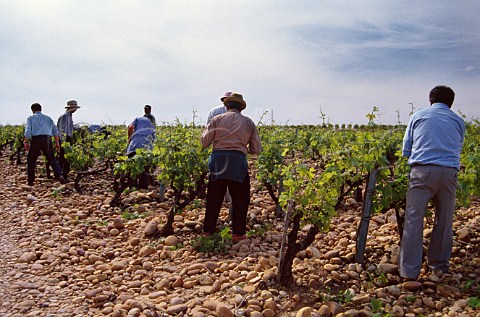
(68, 254)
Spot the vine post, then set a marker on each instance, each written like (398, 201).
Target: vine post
(364, 222)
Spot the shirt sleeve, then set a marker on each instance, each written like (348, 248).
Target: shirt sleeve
(28, 128)
(408, 139)
(54, 128)
(61, 126)
(208, 134)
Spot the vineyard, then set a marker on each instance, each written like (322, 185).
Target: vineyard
(324, 228)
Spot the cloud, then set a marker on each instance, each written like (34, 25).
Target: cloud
(179, 56)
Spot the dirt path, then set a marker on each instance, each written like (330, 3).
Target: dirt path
(28, 289)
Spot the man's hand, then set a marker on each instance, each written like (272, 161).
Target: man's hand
(26, 146)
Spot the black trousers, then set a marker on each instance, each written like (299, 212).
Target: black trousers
(62, 161)
(143, 179)
(240, 193)
(41, 144)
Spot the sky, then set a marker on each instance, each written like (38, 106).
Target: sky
(295, 62)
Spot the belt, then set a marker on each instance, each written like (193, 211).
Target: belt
(418, 164)
(41, 136)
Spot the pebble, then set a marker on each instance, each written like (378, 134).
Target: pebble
(304, 312)
(223, 311)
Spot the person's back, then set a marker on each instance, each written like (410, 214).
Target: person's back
(40, 124)
(141, 135)
(432, 142)
(39, 130)
(436, 137)
(233, 131)
(233, 136)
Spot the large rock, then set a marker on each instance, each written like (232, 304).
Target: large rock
(175, 309)
(412, 286)
(146, 251)
(118, 223)
(27, 257)
(172, 241)
(304, 312)
(31, 198)
(463, 234)
(388, 268)
(151, 228)
(223, 311)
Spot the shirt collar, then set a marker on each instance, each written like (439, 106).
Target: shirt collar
(440, 105)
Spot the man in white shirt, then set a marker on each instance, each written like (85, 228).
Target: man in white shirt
(65, 132)
(219, 109)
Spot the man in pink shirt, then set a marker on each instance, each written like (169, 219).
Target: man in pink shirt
(233, 136)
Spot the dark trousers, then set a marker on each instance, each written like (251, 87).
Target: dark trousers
(62, 161)
(143, 180)
(41, 144)
(240, 193)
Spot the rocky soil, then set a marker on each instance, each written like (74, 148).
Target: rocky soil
(68, 254)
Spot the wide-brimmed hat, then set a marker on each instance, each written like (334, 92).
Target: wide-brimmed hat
(237, 98)
(225, 95)
(72, 104)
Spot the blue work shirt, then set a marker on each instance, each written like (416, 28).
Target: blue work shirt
(40, 124)
(434, 135)
(143, 135)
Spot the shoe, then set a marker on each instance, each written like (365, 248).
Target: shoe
(30, 183)
(62, 180)
(435, 276)
(438, 273)
(238, 237)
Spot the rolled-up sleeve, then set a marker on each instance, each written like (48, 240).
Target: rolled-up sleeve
(54, 129)
(28, 128)
(408, 140)
(62, 126)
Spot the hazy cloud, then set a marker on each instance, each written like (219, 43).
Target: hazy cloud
(294, 58)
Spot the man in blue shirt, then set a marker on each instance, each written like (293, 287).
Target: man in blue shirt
(141, 135)
(432, 142)
(39, 130)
